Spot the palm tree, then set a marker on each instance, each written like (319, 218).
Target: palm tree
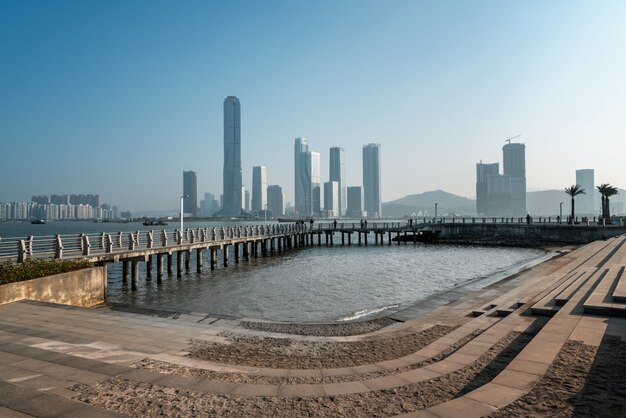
(572, 191)
(606, 190)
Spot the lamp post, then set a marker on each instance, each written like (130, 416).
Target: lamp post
(560, 212)
(181, 211)
(436, 204)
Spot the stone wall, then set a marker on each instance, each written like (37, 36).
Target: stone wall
(524, 235)
(85, 287)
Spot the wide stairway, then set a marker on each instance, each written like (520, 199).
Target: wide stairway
(492, 352)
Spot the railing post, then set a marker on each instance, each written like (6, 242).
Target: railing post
(86, 245)
(213, 234)
(103, 241)
(29, 247)
(58, 247)
(108, 244)
(150, 239)
(131, 241)
(21, 251)
(164, 238)
(119, 239)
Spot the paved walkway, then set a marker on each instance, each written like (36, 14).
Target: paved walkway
(46, 349)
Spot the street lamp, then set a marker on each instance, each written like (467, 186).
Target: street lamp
(436, 204)
(181, 211)
(560, 212)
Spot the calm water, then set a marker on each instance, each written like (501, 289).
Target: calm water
(309, 284)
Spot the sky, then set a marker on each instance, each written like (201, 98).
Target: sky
(120, 97)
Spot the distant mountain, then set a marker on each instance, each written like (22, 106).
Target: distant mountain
(448, 203)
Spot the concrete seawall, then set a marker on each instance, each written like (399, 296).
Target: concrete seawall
(85, 287)
(525, 235)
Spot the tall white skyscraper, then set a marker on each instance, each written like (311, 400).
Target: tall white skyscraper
(316, 182)
(331, 198)
(371, 180)
(302, 177)
(338, 174)
(232, 158)
(259, 187)
(514, 165)
(586, 203)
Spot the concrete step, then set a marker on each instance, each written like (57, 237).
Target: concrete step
(601, 300)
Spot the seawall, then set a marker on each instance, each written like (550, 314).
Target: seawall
(85, 287)
(524, 235)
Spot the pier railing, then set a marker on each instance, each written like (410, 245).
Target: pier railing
(18, 249)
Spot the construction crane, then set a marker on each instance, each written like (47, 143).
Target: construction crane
(513, 137)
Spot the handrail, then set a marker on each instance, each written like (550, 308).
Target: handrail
(95, 244)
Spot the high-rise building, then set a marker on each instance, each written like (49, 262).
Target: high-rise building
(302, 177)
(483, 171)
(338, 174)
(499, 195)
(232, 204)
(275, 200)
(259, 187)
(586, 203)
(209, 205)
(355, 202)
(331, 198)
(246, 199)
(316, 182)
(371, 180)
(514, 165)
(190, 190)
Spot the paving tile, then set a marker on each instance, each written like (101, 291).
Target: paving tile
(517, 379)
(332, 389)
(295, 391)
(461, 407)
(463, 358)
(385, 382)
(528, 366)
(255, 390)
(444, 367)
(496, 395)
(418, 375)
(214, 386)
(10, 413)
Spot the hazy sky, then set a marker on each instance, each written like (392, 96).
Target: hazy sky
(119, 97)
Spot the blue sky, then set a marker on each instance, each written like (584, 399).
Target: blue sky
(119, 97)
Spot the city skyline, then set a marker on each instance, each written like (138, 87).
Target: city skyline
(465, 76)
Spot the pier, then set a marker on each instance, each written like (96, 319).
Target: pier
(180, 250)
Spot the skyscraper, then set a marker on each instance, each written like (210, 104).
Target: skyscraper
(586, 203)
(338, 174)
(355, 202)
(302, 177)
(331, 198)
(259, 187)
(275, 200)
(483, 171)
(514, 165)
(190, 189)
(316, 183)
(371, 180)
(232, 157)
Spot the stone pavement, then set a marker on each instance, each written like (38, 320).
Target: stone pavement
(45, 350)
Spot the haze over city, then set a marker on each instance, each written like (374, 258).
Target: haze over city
(119, 98)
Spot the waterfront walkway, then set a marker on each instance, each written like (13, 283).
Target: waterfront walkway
(493, 351)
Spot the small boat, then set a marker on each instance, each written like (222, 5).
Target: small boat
(37, 221)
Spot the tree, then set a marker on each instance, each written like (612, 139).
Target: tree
(606, 191)
(572, 191)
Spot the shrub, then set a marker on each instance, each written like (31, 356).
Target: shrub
(33, 269)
